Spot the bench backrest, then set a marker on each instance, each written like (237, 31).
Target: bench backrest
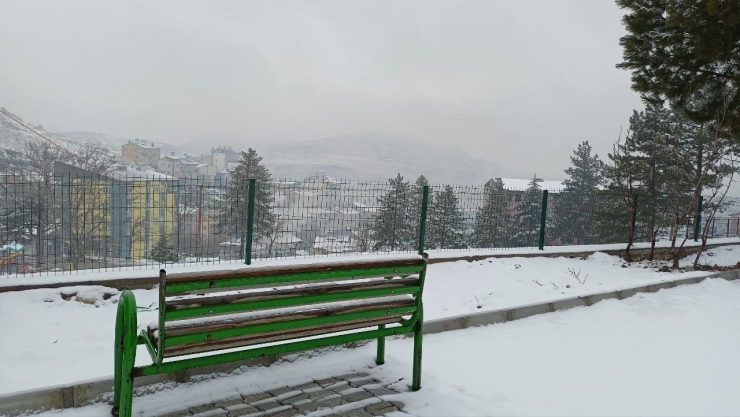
(202, 312)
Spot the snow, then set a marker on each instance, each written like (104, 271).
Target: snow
(71, 339)
(669, 353)
(523, 184)
(721, 256)
(152, 270)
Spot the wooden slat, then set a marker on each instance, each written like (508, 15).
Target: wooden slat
(276, 336)
(290, 269)
(180, 328)
(206, 301)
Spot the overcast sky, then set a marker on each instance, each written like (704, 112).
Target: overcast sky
(518, 82)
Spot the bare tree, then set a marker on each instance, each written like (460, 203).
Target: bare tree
(363, 237)
(621, 174)
(273, 232)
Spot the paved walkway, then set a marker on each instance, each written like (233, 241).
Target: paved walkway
(350, 395)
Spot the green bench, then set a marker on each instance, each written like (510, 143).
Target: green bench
(269, 311)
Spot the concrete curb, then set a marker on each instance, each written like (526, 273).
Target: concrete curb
(88, 391)
(150, 282)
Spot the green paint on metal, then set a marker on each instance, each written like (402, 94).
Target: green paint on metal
(423, 220)
(697, 222)
(161, 316)
(418, 338)
(543, 220)
(174, 288)
(250, 221)
(380, 357)
(125, 355)
(285, 325)
(269, 350)
(287, 302)
(146, 341)
(118, 357)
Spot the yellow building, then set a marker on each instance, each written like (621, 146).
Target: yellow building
(146, 209)
(140, 153)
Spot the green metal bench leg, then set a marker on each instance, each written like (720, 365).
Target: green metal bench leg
(125, 355)
(418, 336)
(380, 358)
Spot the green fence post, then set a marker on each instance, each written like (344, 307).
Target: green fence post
(697, 222)
(380, 357)
(543, 220)
(423, 220)
(250, 220)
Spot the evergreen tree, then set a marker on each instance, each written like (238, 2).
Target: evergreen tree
(446, 224)
(232, 214)
(394, 227)
(529, 212)
(163, 251)
(686, 52)
(574, 206)
(417, 191)
(492, 220)
(584, 174)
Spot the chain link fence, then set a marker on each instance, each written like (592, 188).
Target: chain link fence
(93, 222)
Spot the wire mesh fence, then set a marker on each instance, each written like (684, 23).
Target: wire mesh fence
(75, 222)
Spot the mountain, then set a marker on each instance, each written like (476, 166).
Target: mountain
(13, 135)
(374, 157)
(111, 142)
(365, 157)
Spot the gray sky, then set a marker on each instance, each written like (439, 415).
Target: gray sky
(520, 83)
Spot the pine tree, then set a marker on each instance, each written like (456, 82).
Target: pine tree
(163, 251)
(493, 219)
(584, 174)
(574, 206)
(529, 212)
(446, 224)
(394, 227)
(681, 50)
(232, 215)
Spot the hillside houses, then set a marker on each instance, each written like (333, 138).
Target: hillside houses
(210, 166)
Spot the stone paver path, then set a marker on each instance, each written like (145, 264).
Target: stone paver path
(350, 395)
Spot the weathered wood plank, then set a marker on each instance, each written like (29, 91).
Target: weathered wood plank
(179, 328)
(267, 337)
(317, 289)
(267, 271)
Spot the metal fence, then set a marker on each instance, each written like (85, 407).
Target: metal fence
(83, 222)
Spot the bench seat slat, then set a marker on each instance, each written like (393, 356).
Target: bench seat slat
(265, 271)
(247, 281)
(268, 337)
(231, 303)
(309, 320)
(201, 329)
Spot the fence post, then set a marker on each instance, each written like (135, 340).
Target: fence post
(423, 220)
(39, 234)
(543, 220)
(199, 225)
(250, 220)
(697, 225)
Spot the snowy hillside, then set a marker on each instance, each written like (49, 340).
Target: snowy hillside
(13, 135)
(107, 141)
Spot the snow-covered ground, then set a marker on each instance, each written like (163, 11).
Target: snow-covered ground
(63, 335)
(669, 353)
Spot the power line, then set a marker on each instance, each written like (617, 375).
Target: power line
(79, 158)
